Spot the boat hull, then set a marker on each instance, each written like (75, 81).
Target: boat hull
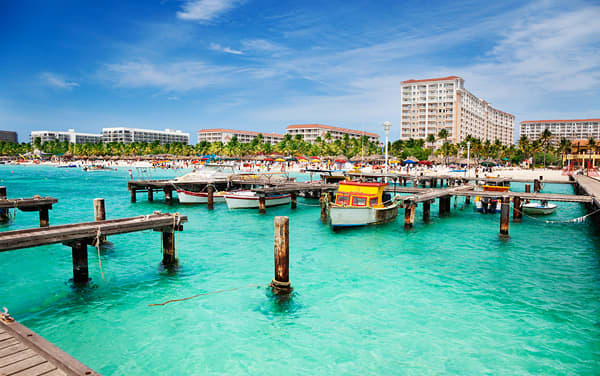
(345, 216)
(251, 202)
(188, 197)
(539, 210)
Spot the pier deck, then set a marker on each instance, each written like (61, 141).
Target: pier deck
(10, 240)
(589, 186)
(28, 204)
(26, 353)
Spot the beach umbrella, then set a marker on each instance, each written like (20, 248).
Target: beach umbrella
(302, 160)
(269, 160)
(488, 164)
(315, 160)
(279, 160)
(409, 161)
(425, 163)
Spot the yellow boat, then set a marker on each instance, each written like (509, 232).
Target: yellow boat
(491, 204)
(359, 204)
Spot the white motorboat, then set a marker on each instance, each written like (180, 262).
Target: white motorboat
(206, 172)
(541, 208)
(190, 197)
(249, 200)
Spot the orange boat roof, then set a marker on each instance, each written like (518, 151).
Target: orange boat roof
(363, 184)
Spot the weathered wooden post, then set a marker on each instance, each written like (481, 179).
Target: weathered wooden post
(324, 204)
(133, 198)
(294, 200)
(455, 202)
(442, 205)
(504, 216)
(409, 215)
(150, 195)
(3, 212)
(426, 211)
(262, 204)
(44, 218)
(527, 188)
(168, 194)
(210, 199)
(536, 186)
(100, 215)
(517, 214)
(80, 261)
(168, 247)
(404, 181)
(467, 200)
(281, 283)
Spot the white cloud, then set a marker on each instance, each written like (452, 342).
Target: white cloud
(218, 47)
(205, 10)
(262, 45)
(180, 76)
(57, 81)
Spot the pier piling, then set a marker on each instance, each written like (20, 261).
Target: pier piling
(100, 215)
(168, 194)
(468, 200)
(80, 261)
(527, 188)
(3, 212)
(262, 207)
(44, 218)
(150, 195)
(536, 186)
(324, 198)
(426, 211)
(281, 283)
(504, 216)
(133, 198)
(168, 248)
(409, 216)
(294, 200)
(517, 214)
(210, 200)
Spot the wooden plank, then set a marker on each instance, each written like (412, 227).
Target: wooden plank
(23, 203)
(10, 240)
(22, 365)
(17, 357)
(40, 369)
(56, 372)
(5, 336)
(16, 347)
(8, 343)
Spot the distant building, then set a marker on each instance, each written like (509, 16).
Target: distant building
(8, 136)
(225, 135)
(129, 135)
(577, 129)
(310, 132)
(430, 105)
(71, 136)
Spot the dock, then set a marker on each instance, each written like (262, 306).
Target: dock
(79, 235)
(25, 353)
(37, 203)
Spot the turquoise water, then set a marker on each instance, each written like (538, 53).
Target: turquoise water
(449, 297)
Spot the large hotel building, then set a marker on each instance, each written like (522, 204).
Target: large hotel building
(225, 135)
(310, 132)
(577, 129)
(430, 105)
(124, 135)
(70, 136)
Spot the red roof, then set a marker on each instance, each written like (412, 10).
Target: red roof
(329, 127)
(557, 121)
(411, 81)
(240, 132)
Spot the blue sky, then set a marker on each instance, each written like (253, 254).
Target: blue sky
(262, 65)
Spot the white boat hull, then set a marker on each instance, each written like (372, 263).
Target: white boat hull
(351, 216)
(536, 209)
(188, 197)
(248, 201)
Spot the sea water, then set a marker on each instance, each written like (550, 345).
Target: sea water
(448, 297)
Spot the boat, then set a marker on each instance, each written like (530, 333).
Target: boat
(359, 204)
(96, 168)
(491, 204)
(208, 172)
(249, 200)
(541, 208)
(190, 197)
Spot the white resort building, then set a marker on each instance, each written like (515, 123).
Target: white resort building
(310, 132)
(430, 105)
(128, 135)
(577, 129)
(225, 135)
(71, 136)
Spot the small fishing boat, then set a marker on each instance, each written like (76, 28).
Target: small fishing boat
(96, 168)
(191, 197)
(541, 208)
(249, 200)
(359, 204)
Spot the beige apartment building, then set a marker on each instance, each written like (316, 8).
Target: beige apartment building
(576, 129)
(225, 135)
(430, 105)
(310, 132)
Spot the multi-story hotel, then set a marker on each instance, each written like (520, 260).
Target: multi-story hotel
(128, 135)
(430, 105)
(70, 136)
(8, 136)
(310, 132)
(577, 129)
(225, 135)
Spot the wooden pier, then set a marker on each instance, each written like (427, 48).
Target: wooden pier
(79, 235)
(25, 353)
(39, 204)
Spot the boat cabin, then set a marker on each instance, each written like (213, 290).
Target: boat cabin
(360, 194)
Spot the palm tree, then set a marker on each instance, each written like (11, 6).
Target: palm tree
(544, 139)
(430, 140)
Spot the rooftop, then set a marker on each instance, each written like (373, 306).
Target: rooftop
(557, 121)
(329, 127)
(239, 132)
(412, 81)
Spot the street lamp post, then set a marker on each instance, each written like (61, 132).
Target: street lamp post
(468, 156)
(386, 126)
